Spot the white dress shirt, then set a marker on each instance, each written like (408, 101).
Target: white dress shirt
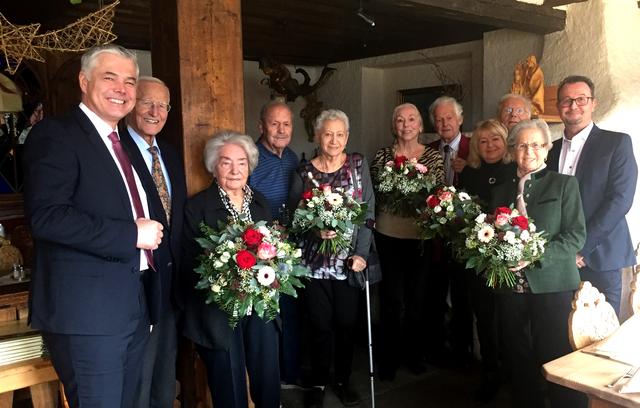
(571, 150)
(104, 130)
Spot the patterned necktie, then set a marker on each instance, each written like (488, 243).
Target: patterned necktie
(125, 165)
(447, 165)
(161, 184)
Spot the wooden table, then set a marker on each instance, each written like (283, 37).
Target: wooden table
(590, 374)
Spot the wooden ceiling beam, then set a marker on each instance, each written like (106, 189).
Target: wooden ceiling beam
(499, 13)
(556, 3)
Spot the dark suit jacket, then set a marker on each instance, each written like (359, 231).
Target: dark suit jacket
(207, 325)
(607, 174)
(86, 277)
(553, 202)
(167, 255)
(463, 152)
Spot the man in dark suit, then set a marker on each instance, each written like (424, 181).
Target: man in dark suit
(446, 115)
(93, 238)
(607, 173)
(164, 182)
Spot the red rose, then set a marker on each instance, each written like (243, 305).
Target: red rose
(307, 195)
(252, 237)
(399, 160)
(432, 201)
(245, 259)
(520, 221)
(502, 210)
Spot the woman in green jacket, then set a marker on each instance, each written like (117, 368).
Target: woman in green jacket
(533, 315)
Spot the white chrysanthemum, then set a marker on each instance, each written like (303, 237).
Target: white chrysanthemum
(480, 218)
(334, 199)
(510, 237)
(486, 234)
(266, 275)
(525, 236)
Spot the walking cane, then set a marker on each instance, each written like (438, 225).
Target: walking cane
(371, 377)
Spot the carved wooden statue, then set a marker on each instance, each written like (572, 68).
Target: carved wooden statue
(528, 80)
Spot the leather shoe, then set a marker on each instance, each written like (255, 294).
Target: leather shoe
(347, 395)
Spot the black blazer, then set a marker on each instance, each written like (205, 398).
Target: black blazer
(161, 287)
(607, 174)
(86, 276)
(207, 325)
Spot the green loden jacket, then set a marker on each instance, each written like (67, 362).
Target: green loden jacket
(553, 202)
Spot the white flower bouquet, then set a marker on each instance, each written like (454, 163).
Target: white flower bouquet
(328, 208)
(402, 185)
(497, 242)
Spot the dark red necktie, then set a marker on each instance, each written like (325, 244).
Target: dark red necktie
(125, 165)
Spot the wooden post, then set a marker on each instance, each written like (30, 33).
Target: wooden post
(196, 49)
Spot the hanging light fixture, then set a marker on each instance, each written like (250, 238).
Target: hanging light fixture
(368, 19)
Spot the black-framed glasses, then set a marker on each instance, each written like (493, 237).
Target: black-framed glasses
(150, 104)
(580, 101)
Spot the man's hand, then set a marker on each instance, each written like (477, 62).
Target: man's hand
(458, 164)
(521, 265)
(357, 263)
(149, 233)
(328, 234)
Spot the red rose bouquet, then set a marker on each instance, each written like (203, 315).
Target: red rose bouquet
(497, 242)
(447, 212)
(245, 267)
(402, 185)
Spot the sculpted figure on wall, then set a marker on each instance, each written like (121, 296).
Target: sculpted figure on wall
(528, 80)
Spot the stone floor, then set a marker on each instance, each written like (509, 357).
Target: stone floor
(451, 388)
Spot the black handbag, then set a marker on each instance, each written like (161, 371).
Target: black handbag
(373, 272)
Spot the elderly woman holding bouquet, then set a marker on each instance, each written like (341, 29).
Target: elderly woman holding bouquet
(253, 343)
(402, 174)
(488, 165)
(533, 314)
(331, 302)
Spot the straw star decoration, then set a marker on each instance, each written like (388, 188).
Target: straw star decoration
(16, 43)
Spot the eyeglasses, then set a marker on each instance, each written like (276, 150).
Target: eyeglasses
(510, 110)
(533, 146)
(151, 104)
(580, 101)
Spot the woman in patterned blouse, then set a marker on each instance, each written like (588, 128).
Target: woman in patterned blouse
(331, 303)
(403, 257)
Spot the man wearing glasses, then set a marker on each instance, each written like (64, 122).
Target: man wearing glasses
(607, 172)
(166, 190)
(512, 109)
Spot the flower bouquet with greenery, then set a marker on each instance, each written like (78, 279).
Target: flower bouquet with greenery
(496, 243)
(329, 208)
(402, 185)
(245, 267)
(447, 212)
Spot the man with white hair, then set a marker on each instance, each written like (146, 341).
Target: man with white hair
(513, 108)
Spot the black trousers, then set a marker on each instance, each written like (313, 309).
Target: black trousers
(404, 265)
(333, 311)
(483, 304)
(535, 330)
(254, 345)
